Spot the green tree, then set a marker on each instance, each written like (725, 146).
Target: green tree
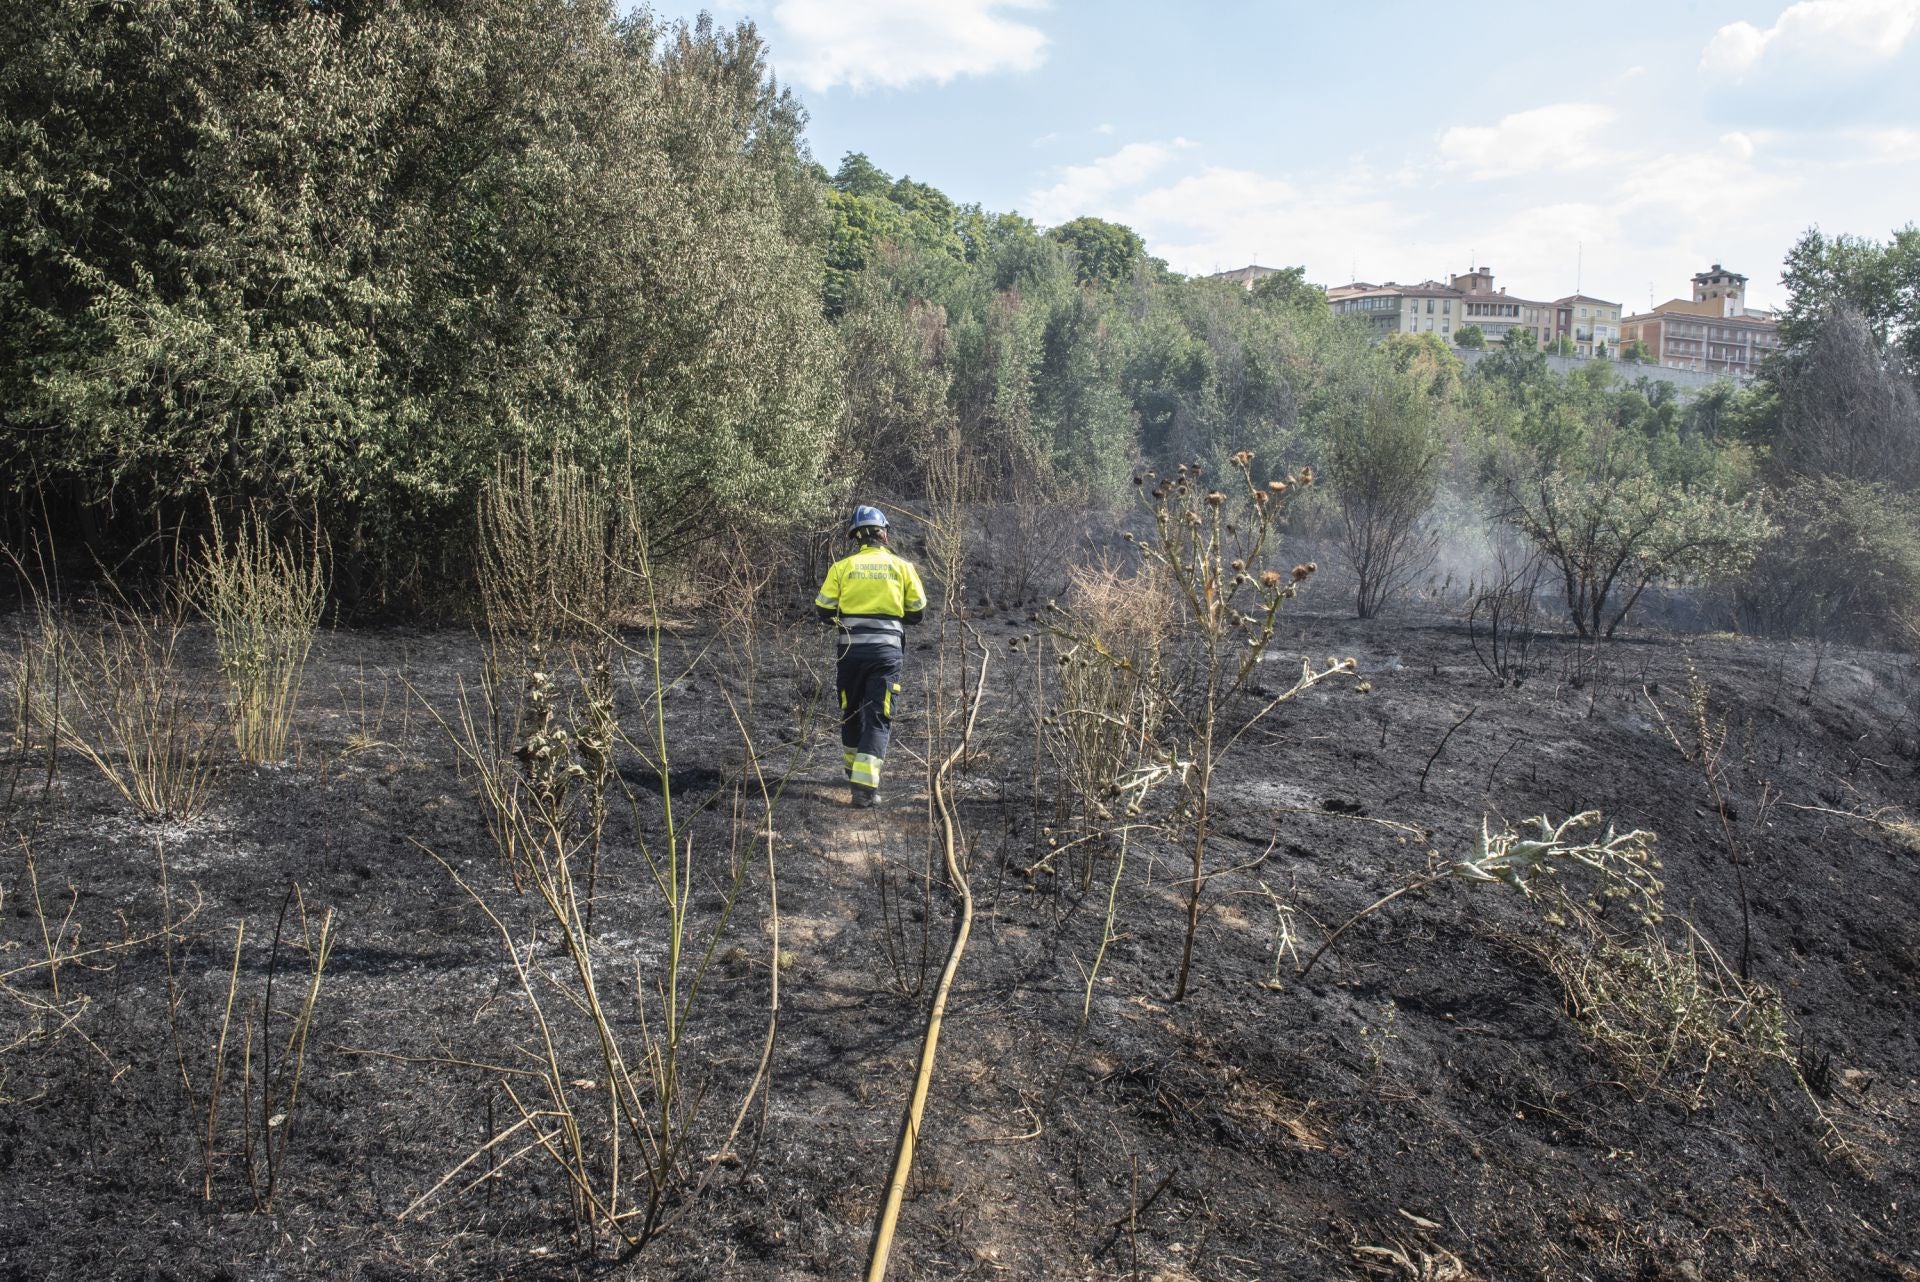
(1611, 534)
(1078, 403)
(371, 250)
(1879, 281)
(1383, 461)
(859, 176)
(1290, 290)
(1471, 337)
(1103, 252)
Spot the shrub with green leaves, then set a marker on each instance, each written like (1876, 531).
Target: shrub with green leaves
(1843, 562)
(1612, 536)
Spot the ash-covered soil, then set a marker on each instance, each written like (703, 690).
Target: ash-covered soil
(1426, 1104)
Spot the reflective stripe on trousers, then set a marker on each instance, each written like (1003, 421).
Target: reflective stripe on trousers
(869, 680)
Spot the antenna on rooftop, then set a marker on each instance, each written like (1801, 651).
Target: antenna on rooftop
(1579, 264)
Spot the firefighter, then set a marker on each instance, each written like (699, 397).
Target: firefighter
(870, 596)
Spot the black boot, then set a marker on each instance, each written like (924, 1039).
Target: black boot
(865, 798)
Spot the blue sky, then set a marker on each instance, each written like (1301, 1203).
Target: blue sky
(1622, 147)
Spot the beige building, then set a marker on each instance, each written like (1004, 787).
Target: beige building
(1498, 313)
(1592, 325)
(1246, 277)
(1427, 308)
(1714, 332)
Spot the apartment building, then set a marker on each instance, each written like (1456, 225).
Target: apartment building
(1498, 313)
(1427, 308)
(1714, 332)
(1591, 324)
(1246, 277)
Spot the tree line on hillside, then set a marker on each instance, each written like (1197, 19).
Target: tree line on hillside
(336, 264)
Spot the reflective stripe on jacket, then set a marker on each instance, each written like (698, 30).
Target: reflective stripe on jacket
(871, 590)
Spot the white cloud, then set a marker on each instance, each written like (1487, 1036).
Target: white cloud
(1814, 36)
(1091, 188)
(1874, 149)
(890, 44)
(1221, 218)
(1557, 138)
(1554, 199)
(1203, 218)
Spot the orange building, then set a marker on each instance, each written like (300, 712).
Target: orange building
(1714, 332)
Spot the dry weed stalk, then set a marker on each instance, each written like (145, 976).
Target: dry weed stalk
(1622, 866)
(550, 546)
(43, 1009)
(266, 1118)
(1709, 751)
(1211, 549)
(545, 812)
(263, 600)
(1672, 1018)
(1888, 819)
(121, 696)
(267, 1136)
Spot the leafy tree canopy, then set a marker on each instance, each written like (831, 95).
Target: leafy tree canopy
(1103, 252)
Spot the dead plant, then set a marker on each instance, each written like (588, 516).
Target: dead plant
(1677, 1021)
(1212, 548)
(617, 1120)
(120, 693)
(1109, 642)
(1503, 621)
(551, 541)
(263, 600)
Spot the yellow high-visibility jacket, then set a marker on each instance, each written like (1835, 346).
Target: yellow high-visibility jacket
(871, 593)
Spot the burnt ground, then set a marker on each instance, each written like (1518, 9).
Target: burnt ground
(1424, 1104)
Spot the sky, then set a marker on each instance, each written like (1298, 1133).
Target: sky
(1616, 149)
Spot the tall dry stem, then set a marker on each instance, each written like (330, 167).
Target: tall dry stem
(545, 794)
(1212, 547)
(121, 695)
(552, 541)
(263, 599)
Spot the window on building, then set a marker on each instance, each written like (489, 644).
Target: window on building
(1446, 305)
(1429, 310)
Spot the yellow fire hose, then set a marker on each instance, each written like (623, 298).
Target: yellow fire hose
(917, 1103)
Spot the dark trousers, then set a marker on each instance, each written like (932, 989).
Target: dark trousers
(869, 678)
